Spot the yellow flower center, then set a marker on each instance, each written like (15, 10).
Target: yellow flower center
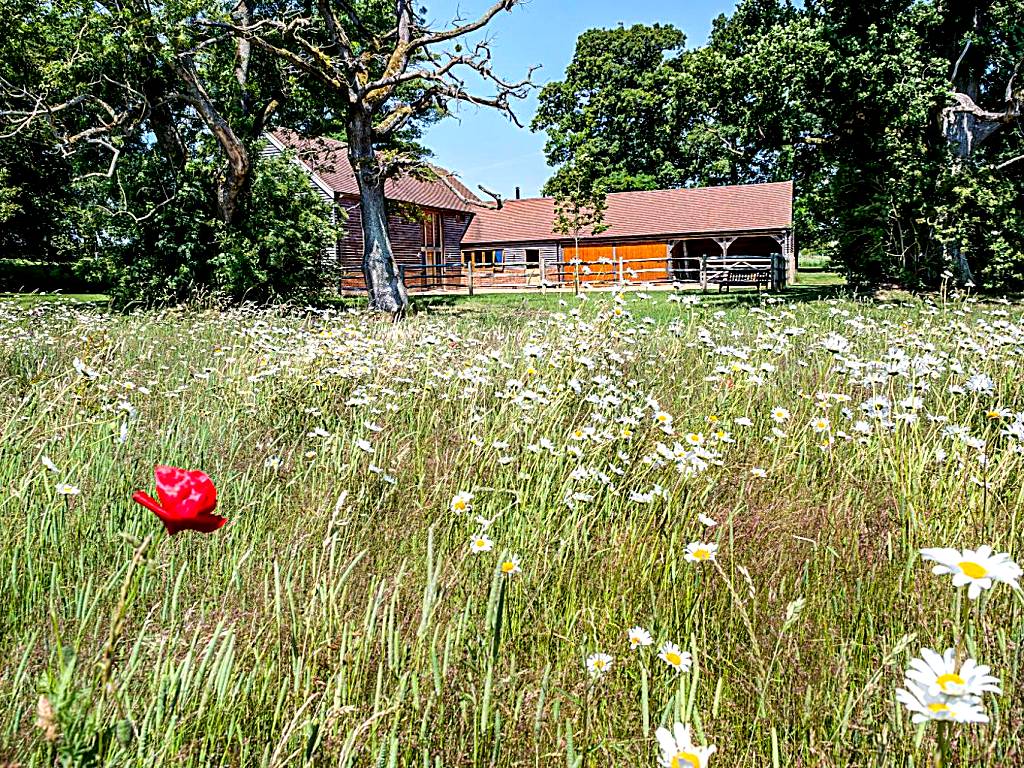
(685, 760)
(508, 566)
(598, 663)
(973, 570)
(481, 543)
(459, 505)
(994, 414)
(950, 678)
(938, 707)
(702, 554)
(673, 658)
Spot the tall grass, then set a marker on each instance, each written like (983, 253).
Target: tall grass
(340, 617)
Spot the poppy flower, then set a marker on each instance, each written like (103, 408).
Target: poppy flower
(187, 500)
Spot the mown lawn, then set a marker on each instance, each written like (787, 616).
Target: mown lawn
(748, 479)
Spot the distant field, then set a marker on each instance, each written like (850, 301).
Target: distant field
(352, 613)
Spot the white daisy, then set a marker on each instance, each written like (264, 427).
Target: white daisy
(678, 659)
(939, 675)
(510, 565)
(67, 489)
(461, 502)
(481, 543)
(679, 751)
(598, 664)
(959, 709)
(977, 569)
(698, 551)
(820, 424)
(638, 636)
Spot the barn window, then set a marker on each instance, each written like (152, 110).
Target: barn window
(433, 243)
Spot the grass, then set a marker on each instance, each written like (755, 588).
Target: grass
(28, 300)
(341, 618)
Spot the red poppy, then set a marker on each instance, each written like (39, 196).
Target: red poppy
(187, 500)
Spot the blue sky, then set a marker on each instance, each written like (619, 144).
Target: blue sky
(484, 147)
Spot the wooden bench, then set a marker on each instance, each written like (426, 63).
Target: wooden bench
(745, 276)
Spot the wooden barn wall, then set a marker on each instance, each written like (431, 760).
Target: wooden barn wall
(641, 262)
(350, 244)
(406, 238)
(455, 226)
(517, 254)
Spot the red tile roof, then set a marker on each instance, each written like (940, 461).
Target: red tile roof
(328, 158)
(658, 213)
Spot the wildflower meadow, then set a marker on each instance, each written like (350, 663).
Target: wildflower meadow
(614, 530)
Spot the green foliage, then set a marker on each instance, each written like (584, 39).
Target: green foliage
(609, 119)
(275, 252)
(70, 721)
(848, 99)
(279, 254)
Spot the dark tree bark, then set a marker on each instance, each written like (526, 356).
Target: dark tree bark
(380, 270)
(966, 124)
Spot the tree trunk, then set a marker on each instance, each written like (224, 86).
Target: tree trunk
(235, 177)
(963, 131)
(383, 279)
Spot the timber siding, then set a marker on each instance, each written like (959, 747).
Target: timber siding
(326, 162)
(406, 235)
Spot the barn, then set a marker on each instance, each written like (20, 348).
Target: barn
(426, 218)
(444, 237)
(657, 236)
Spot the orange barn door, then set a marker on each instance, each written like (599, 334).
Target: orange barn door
(641, 263)
(649, 262)
(598, 264)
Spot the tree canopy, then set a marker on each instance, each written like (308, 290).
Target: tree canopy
(899, 122)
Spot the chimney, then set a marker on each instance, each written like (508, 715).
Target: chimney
(517, 193)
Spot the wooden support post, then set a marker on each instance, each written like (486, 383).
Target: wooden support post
(703, 273)
(576, 268)
(472, 258)
(686, 259)
(543, 277)
(787, 267)
(618, 257)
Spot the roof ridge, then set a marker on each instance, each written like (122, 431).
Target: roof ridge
(663, 190)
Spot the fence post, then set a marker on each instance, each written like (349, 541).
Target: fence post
(618, 255)
(472, 258)
(543, 277)
(704, 273)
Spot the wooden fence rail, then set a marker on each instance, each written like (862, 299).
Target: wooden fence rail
(522, 275)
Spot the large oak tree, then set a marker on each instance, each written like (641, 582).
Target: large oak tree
(383, 69)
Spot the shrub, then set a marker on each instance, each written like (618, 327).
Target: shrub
(274, 251)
